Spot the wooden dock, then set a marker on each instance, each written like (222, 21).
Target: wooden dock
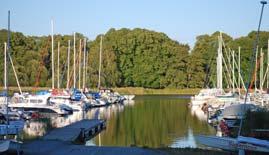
(42, 147)
(61, 141)
(77, 132)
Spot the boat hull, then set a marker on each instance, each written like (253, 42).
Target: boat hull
(231, 144)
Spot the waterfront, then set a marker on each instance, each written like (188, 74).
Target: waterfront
(152, 121)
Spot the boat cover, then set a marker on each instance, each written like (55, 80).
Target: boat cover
(236, 111)
(254, 141)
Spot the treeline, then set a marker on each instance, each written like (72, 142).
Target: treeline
(130, 58)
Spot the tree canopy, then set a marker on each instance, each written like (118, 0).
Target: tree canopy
(130, 58)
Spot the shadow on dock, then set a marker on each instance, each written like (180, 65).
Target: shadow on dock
(53, 147)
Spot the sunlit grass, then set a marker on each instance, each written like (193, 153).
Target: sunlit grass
(125, 90)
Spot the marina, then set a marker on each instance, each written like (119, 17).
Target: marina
(131, 89)
(125, 119)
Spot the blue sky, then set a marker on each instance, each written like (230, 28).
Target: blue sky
(180, 20)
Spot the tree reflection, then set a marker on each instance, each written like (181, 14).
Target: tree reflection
(153, 122)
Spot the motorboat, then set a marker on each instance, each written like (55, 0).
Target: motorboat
(36, 102)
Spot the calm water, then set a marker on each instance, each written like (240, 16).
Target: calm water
(151, 121)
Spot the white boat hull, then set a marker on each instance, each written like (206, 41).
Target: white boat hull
(129, 97)
(231, 144)
(29, 106)
(10, 146)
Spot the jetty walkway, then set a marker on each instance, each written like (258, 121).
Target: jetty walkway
(65, 140)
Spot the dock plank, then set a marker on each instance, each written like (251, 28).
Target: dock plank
(71, 132)
(60, 148)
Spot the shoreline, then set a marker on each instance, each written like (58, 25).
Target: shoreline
(127, 90)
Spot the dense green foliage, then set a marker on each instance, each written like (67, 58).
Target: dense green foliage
(140, 58)
(130, 58)
(202, 59)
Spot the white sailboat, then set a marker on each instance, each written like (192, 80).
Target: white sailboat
(39, 102)
(240, 143)
(9, 145)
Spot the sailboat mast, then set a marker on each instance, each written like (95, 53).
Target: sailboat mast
(5, 77)
(79, 64)
(256, 68)
(7, 52)
(52, 56)
(100, 63)
(5, 66)
(84, 63)
(58, 66)
(74, 65)
(233, 72)
(239, 74)
(261, 70)
(219, 64)
(267, 86)
(86, 68)
(252, 61)
(68, 65)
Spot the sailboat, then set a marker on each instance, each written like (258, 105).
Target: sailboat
(9, 127)
(240, 143)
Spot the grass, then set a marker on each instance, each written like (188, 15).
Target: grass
(26, 89)
(126, 90)
(147, 91)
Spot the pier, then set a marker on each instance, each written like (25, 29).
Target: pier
(65, 140)
(58, 148)
(77, 132)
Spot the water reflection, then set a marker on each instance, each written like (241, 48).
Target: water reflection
(154, 121)
(151, 121)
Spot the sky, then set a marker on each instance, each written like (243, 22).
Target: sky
(181, 20)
